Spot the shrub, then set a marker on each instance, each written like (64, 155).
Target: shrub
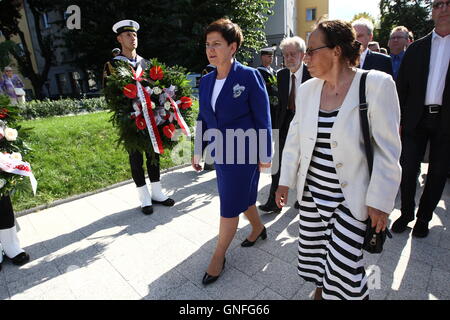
(50, 108)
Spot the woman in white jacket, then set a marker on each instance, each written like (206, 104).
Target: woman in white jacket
(324, 158)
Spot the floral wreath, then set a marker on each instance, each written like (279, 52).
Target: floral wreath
(13, 151)
(151, 107)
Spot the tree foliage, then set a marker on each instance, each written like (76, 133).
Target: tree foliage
(5, 48)
(413, 14)
(364, 15)
(171, 30)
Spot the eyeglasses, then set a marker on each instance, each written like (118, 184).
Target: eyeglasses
(441, 4)
(397, 38)
(309, 51)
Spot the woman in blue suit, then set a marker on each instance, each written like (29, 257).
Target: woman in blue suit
(234, 120)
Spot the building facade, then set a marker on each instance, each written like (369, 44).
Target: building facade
(23, 25)
(291, 18)
(64, 79)
(308, 12)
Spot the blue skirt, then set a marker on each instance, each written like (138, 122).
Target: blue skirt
(238, 188)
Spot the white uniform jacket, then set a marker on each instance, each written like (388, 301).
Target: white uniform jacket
(347, 145)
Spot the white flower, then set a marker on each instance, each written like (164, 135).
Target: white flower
(167, 105)
(157, 91)
(2, 183)
(2, 133)
(16, 156)
(10, 134)
(149, 90)
(153, 105)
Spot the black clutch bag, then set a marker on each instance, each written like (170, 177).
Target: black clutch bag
(373, 242)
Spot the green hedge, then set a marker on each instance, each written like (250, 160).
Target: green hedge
(48, 108)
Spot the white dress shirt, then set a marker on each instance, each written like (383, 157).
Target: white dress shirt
(216, 91)
(363, 58)
(298, 78)
(439, 61)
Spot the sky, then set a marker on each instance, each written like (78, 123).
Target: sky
(346, 9)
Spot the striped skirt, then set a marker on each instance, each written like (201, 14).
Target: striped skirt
(330, 251)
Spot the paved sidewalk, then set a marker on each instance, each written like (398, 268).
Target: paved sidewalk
(102, 247)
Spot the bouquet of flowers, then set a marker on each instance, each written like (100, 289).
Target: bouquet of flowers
(13, 151)
(150, 107)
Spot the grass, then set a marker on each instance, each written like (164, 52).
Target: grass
(74, 155)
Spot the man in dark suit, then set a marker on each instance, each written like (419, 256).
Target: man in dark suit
(370, 60)
(289, 80)
(423, 86)
(398, 42)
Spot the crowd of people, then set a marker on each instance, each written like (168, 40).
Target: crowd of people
(319, 149)
(320, 143)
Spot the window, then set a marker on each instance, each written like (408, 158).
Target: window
(20, 49)
(311, 14)
(76, 83)
(61, 81)
(92, 82)
(45, 22)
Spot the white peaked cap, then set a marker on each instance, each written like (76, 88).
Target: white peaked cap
(126, 25)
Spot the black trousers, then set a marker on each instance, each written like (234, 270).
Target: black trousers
(432, 128)
(137, 171)
(282, 141)
(6, 213)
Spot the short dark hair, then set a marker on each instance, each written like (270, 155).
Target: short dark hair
(230, 31)
(338, 33)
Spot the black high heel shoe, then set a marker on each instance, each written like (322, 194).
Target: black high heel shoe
(248, 243)
(208, 279)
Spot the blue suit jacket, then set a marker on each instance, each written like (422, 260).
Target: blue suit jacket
(378, 61)
(243, 103)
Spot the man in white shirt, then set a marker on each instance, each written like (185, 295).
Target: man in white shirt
(289, 80)
(423, 86)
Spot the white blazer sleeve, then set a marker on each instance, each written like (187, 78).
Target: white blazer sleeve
(291, 152)
(384, 119)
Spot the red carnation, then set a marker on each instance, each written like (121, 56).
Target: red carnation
(130, 91)
(186, 103)
(140, 122)
(169, 130)
(3, 113)
(156, 73)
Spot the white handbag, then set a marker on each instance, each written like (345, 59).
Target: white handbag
(19, 91)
